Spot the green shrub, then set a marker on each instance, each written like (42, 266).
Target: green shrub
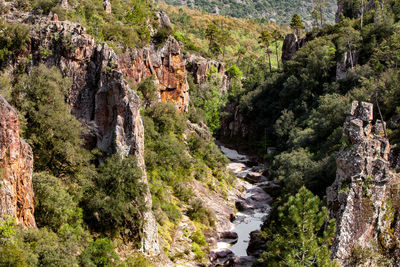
(51, 130)
(161, 36)
(148, 91)
(199, 213)
(137, 260)
(23, 4)
(49, 249)
(166, 118)
(171, 211)
(198, 238)
(45, 6)
(115, 199)
(12, 256)
(54, 206)
(183, 192)
(100, 253)
(200, 254)
(234, 72)
(13, 39)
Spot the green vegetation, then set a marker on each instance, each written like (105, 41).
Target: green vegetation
(301, 109)
(126, 25)
(301, 235)
(233, 40)
(13, 38)
(175, 157)
(116, 198)
(296, 24)
(87, 204)
(73, 198)
(278, 11)
(100, 253)
(48, 126)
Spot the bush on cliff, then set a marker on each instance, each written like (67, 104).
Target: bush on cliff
(13, 39)
(114, 200)
(47, 124)
(54, 206)
(100, 252)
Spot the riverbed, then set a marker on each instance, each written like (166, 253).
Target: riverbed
(253, 208)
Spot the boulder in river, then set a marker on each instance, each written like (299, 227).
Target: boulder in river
(256, 244)
(224, 257)
(244, 261)
(228, 235)
(255, 177)
(243, 206)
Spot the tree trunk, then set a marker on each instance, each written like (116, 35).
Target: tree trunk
(320, 15)
(277, 57)
(269, 60)
(351, 56)
(362, 12)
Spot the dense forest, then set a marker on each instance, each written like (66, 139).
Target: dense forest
(116, 145)
(278, 11)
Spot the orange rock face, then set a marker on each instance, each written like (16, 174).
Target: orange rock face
(167, 66)
(16, 165)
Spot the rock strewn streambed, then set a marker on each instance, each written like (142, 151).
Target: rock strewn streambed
(253, 207)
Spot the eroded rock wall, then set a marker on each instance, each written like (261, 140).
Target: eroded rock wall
(165, 64)
(100, 96)
(361, 198)
(16, 165)
(199, 67)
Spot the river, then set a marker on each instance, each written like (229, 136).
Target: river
(253, 209)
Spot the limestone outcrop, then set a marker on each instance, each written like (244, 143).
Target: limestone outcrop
(235, 125)
(107, 6)
(363, 198)
(16, 165)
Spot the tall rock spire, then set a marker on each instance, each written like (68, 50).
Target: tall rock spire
(16, 165)
(361, 198)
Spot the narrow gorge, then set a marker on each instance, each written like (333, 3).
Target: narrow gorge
(138, 133)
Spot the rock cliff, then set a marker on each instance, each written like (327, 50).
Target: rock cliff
(100, 96)
(16, 165)
(199, 68)
(291, 44)
(363, 199)
(167, 66)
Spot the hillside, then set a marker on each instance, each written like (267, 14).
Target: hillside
(139, 133)
(278, 11)
(242, 34)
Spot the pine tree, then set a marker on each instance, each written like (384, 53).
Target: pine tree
(296, 24)
(349, 41)
(265, 40)
(301, 234)
(319, 8)
(277, 36)
(213, 34)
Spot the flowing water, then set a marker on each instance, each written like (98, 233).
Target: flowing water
(251, 218)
